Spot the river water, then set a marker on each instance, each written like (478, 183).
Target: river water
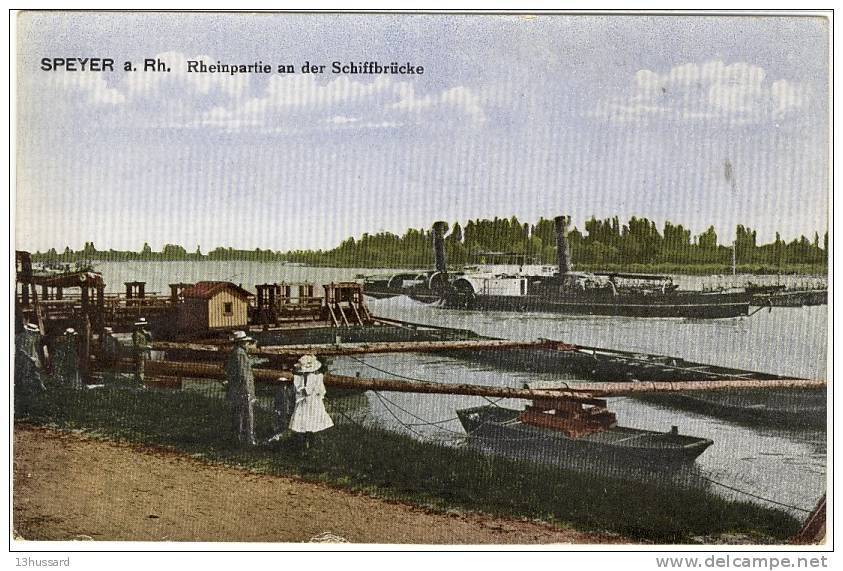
(786, 465)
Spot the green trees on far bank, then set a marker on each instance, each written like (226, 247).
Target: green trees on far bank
(602, 244)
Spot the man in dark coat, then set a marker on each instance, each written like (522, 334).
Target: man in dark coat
(240, 391)
(142, 345)
(66, 359)
(109, 347)
(29, 379)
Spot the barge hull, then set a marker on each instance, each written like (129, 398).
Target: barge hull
(694, 309)
(792, 299)
(607, 365)
(509, 437)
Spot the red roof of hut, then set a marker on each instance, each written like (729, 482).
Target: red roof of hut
(208, 289)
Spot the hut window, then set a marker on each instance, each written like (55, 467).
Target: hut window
(228, 308)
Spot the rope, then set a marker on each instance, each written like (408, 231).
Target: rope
(494, 403)
(458, 435)
(362, 362)
(433, 422)
(401, 422)
(768, 306)
(757, 497)
(424, 421)
(349, 419)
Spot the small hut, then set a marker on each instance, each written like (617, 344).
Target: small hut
(214, 305)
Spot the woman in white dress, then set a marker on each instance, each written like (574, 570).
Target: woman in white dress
(309, 415)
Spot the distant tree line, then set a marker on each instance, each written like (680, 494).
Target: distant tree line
(638, 244)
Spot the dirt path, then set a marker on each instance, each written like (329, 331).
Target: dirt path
(68, 486)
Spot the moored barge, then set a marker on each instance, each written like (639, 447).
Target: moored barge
(565, 433)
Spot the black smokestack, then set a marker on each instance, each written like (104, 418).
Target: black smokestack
(439, 230)
(563, 249)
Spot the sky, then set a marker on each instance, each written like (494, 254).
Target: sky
(514, 115)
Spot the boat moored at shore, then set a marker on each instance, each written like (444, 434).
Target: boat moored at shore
(541, 434)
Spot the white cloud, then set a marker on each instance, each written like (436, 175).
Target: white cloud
(91, 87)
(180, 83)
(341, 120)
(222, 117)
(342, 103)
(305, 91)
(461, 98)
(788, 95)
(739, 92)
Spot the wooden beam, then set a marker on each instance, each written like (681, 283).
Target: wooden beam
(397, 347)
(187, 346)
(208, 371)
(359, 348)
(639, 387)
(584, 392)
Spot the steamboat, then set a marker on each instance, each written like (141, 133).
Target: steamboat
(532, 288)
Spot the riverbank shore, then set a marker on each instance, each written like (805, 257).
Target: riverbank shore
(69, 486)
(368, 462)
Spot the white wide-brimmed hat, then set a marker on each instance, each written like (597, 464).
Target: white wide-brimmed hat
(70, 331)
(308, 364)
(108, 330)
(31, 327)
(141, 321)
(241, 336)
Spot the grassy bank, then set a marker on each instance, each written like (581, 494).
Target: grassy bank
(389, 465)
